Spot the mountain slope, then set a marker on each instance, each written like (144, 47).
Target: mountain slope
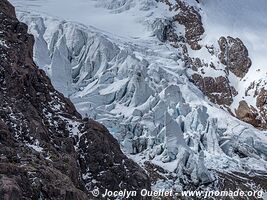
(47, 150)
(172, 95)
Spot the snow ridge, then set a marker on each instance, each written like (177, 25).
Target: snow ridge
(141, 90)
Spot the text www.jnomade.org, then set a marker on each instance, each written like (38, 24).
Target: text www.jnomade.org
(169, 193)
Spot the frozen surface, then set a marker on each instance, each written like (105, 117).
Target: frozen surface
(123, 19)
(116, 71)
(245, 20)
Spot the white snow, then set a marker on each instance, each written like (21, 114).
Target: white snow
(35, 146)
(3, 43)
(93, 13)
(245, 20)
(115, 71)
(111, 88)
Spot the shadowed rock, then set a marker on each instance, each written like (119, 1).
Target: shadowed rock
(234, 55)
(47, 150)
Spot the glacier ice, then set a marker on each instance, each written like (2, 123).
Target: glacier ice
(141, 91)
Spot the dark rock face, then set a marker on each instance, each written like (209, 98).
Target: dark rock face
(238, 181)
(8, 9)
(187, 16)
(217, 89)
(98, 152)
(256, 116)
(46, 149)
(234, 55)
(261, 103)
(191, 19)
(247, 114)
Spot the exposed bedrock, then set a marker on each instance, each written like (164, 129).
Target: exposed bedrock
(234, 55)
(47, 151)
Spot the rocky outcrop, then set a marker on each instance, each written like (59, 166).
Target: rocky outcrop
(131, 86)
(217, 89)
(234, 55)
(216, 69)
(191, 20)
(238, 181)
(47, 150)
(186, 16)
(261, 103)
(247, 114)
(103, 165)
(254, 115)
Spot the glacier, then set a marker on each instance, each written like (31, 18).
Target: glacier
(117, 70)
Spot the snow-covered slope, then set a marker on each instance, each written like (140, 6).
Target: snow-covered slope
(117, 69)
(244, 20)
(120, 17)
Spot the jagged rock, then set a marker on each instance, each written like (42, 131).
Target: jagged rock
(98, 152)
(130, 84)
(234, 55)
(235, 180)
(47, 151)
(247, 114)
(217, 89)
(187, 16)
(261, 103)
(254, 116)
(261, 98)
(191, 19)
(8, 9)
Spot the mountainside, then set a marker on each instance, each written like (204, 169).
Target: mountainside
(180, 84)
(47, 150)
